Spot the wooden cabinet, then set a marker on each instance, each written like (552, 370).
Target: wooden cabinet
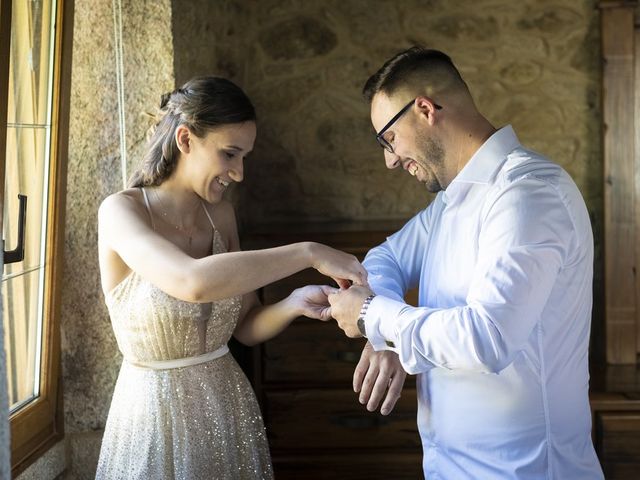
(316, 418)
(317, 429)
(618, 442)
(615, 403)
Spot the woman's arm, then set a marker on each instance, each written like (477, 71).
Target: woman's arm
(258, 323)
(262, 322)
(124, 228)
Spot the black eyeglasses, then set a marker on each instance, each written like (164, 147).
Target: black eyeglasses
(379, 136)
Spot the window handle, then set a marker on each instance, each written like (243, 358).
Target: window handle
(17, 254)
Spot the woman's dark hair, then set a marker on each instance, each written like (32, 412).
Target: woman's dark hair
(201, 104)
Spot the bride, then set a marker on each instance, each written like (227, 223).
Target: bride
(177, 287)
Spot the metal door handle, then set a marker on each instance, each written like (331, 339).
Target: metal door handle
(17, 254)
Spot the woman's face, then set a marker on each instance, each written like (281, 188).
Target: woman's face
(216, 160)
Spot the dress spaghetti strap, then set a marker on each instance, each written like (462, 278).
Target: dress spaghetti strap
(146, 202)
(208, 216)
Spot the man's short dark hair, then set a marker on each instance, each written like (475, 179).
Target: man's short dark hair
(417, 64)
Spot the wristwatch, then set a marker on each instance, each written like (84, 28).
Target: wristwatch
(363, 312)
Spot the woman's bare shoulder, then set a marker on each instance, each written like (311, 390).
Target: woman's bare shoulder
(131, 197)
(116, 204)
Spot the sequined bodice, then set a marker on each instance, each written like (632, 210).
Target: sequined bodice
(151, 325)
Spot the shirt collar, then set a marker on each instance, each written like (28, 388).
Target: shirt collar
(484, 164)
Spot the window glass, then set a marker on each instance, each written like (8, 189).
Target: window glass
(27, 173)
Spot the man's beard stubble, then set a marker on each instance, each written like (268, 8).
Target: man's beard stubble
(432, 162)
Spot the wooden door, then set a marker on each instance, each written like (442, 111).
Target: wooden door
(620, 111)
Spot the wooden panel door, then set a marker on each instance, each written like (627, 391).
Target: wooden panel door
(621, 181)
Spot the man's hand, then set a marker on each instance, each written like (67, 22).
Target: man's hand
(376, 373)
(345, 308)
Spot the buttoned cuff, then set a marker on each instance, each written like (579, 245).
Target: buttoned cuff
(380, 323)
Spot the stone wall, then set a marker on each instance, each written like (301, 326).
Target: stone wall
(531, 63)
(90, 358)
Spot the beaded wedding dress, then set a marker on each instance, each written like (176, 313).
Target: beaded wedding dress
(182, 407)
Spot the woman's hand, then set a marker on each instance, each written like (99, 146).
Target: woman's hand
(311, 301)
(343, 267)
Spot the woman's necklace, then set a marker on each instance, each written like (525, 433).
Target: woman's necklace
(165, 216)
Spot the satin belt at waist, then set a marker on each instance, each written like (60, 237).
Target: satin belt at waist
(180, 362)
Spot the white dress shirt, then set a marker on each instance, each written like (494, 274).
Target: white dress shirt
(503, 259)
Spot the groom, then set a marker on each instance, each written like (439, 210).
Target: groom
(503, 259)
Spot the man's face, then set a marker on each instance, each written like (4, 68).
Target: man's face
(413, 139)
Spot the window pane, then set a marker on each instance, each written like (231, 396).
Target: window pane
(22, 282)
(21, 299)
(25, 174)
(30, 62)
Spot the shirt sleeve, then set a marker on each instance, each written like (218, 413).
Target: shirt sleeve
(394, 267)
(524, 240)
